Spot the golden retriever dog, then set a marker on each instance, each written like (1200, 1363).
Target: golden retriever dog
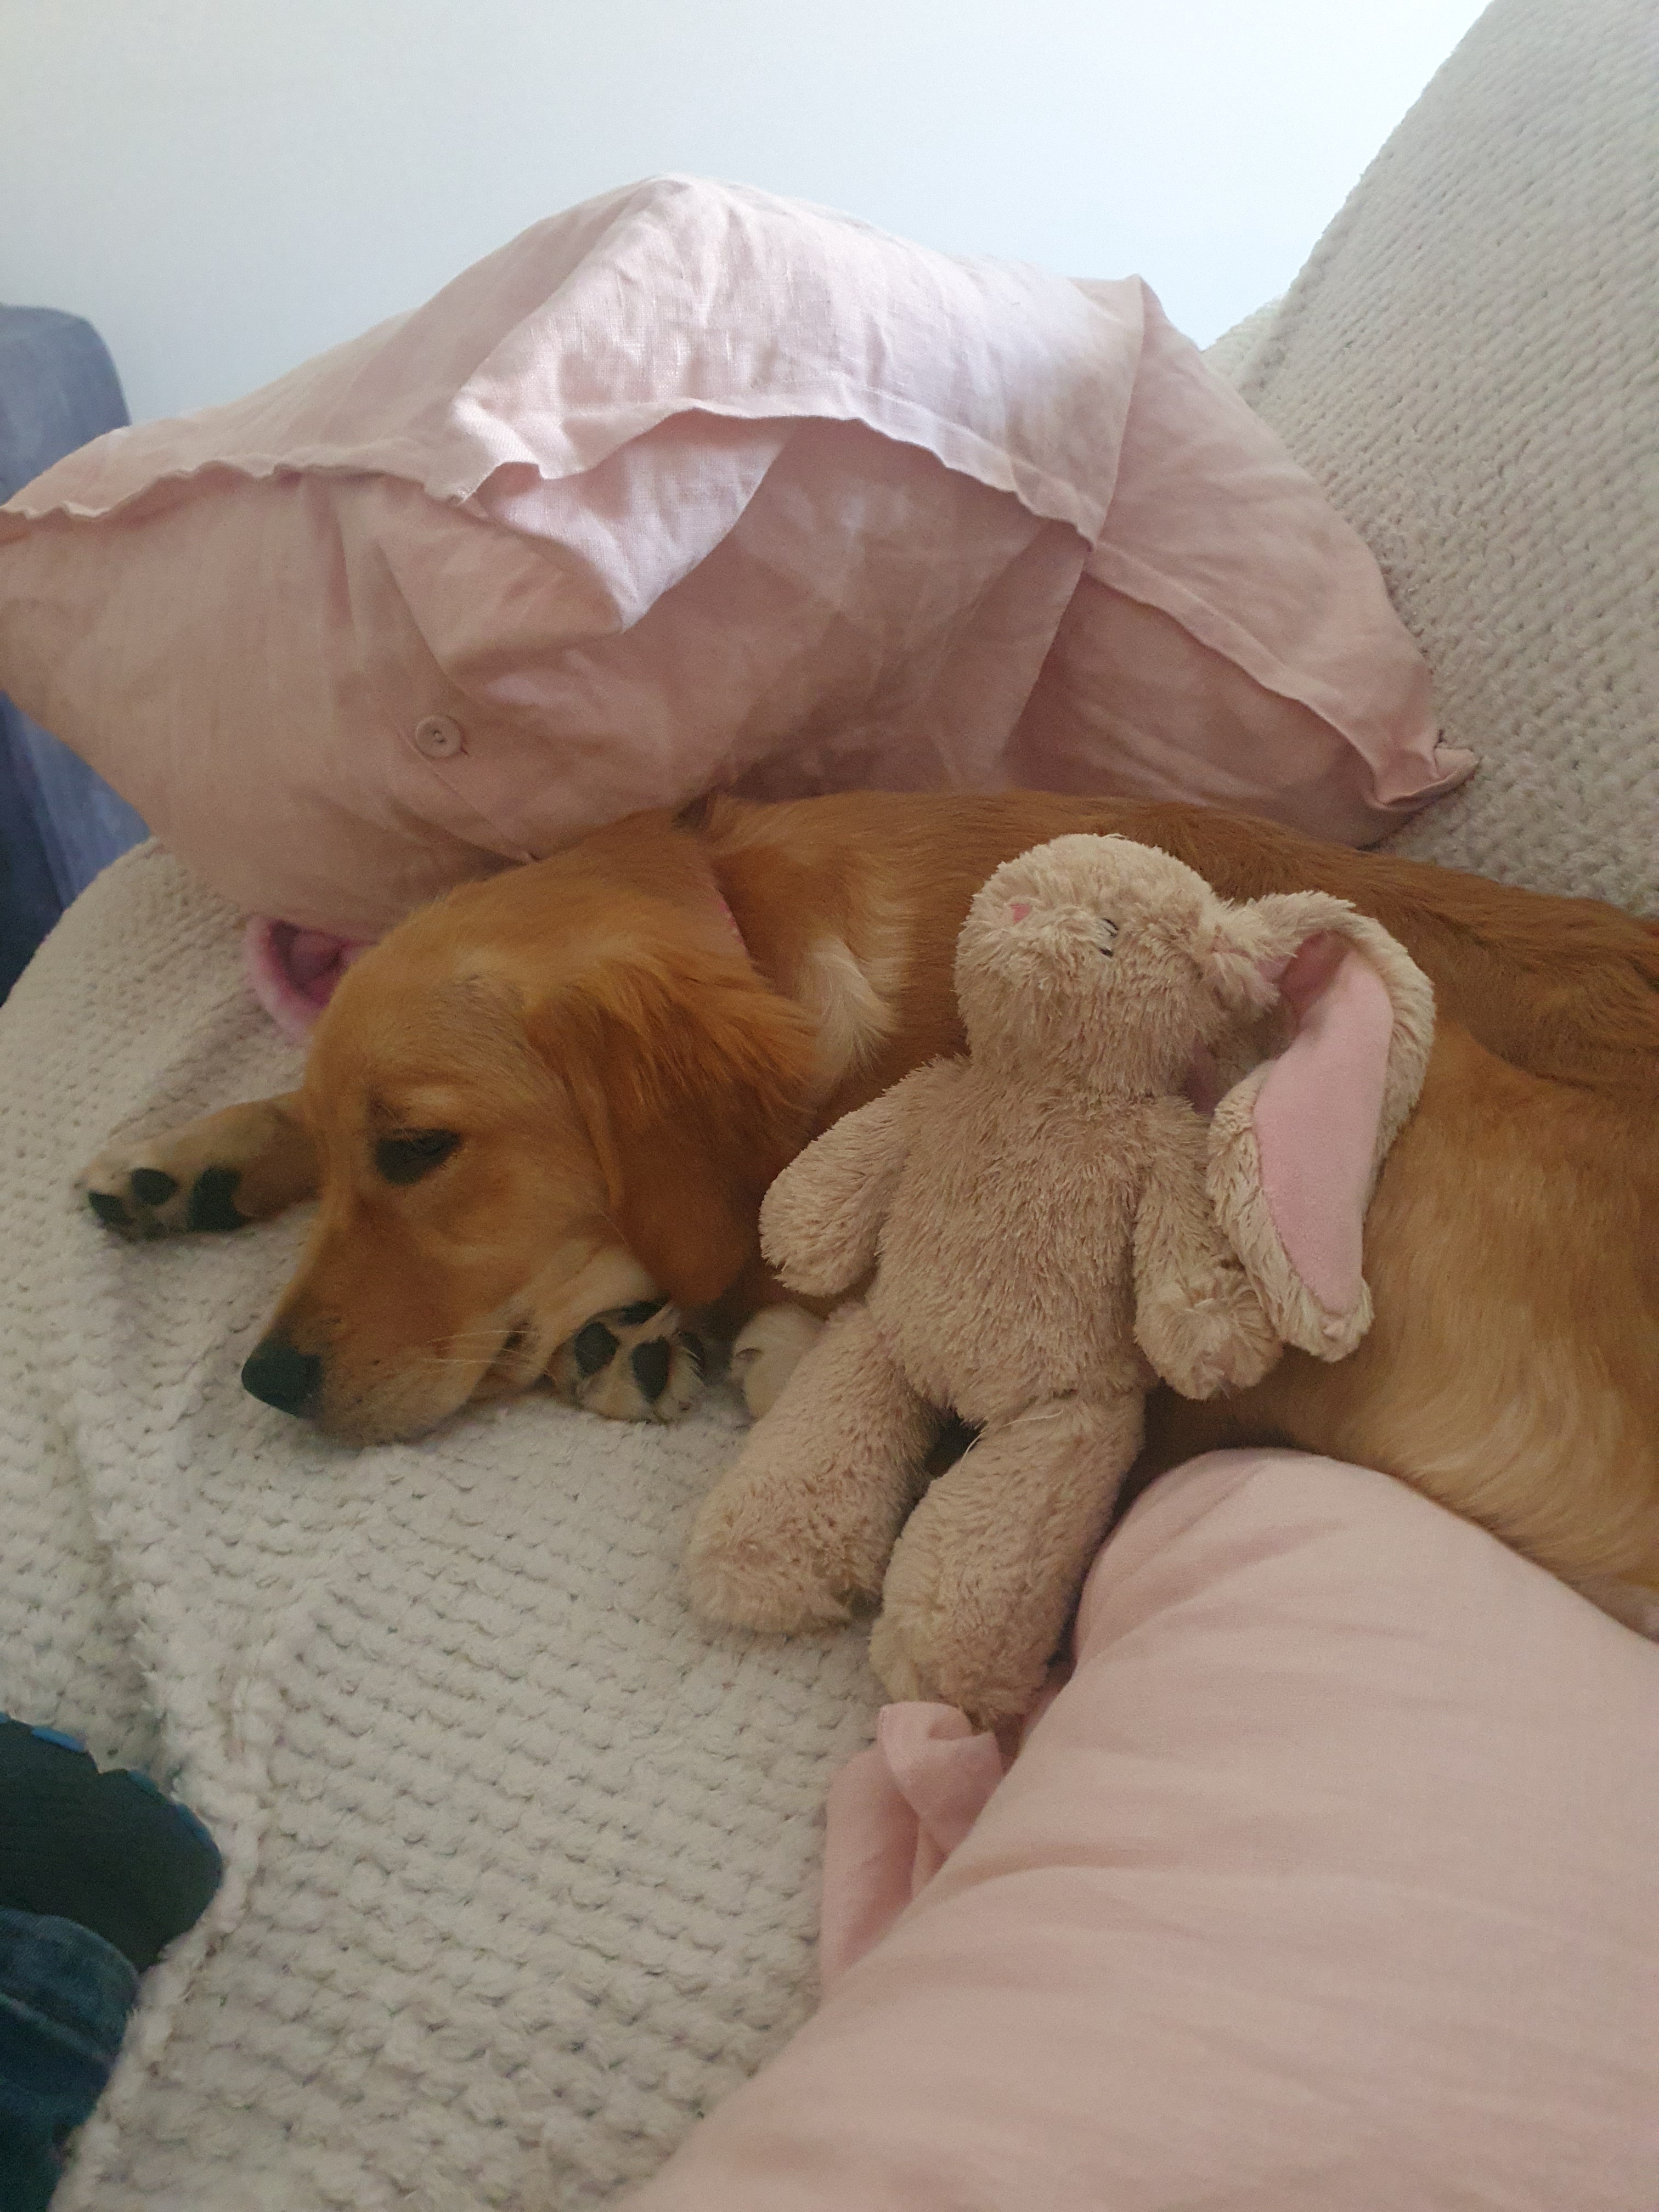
(539, 1117)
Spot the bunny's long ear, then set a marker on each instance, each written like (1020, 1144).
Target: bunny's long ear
(1296, 1148)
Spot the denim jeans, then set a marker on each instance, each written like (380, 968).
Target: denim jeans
(65, 1997)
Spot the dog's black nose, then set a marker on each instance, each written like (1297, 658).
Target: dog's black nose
(282, 1375)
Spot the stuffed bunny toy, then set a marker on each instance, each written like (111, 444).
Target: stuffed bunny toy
(1053, 1225)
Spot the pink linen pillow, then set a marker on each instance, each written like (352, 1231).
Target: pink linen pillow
(691, 486)
(1327, 1883)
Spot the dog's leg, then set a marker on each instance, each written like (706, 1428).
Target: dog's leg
(244, 1164)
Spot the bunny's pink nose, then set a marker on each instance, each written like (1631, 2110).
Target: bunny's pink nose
(1018, 908)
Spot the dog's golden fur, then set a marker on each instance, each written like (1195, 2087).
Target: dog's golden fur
(626, 1073)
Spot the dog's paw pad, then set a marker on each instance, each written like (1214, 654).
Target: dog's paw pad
(652, 1363)
(594, 1347)
(111, 1209)
(212, 1201)
(132, 1193)
(637, 1363)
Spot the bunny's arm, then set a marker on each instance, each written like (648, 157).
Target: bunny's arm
(821, 1218)
(1197, 1318)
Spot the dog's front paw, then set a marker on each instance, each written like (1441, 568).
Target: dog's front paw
(768, 1349)
(242, 1165)
(637, 1363)
(149, 1190)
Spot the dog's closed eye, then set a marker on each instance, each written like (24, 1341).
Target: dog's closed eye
(412, 1153)
(1108, 936)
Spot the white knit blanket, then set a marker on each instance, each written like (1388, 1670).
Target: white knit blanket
(522, 1863)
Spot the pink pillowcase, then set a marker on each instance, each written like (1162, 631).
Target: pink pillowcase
(1327, 1883)
(691, 486)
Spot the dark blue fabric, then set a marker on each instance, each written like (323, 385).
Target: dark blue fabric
(58, 388)
(64, 1998)
(59, 824)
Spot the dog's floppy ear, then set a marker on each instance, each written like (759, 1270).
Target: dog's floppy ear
(693, 1080)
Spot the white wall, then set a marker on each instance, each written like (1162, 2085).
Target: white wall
(225, 186)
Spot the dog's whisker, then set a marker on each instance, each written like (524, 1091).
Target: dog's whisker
(439, 1364)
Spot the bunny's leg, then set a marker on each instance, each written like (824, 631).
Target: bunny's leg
(798, 1532)
(987, 1571)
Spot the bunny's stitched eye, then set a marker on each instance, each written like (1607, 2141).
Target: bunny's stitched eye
(413, 1153)
(1108, 936)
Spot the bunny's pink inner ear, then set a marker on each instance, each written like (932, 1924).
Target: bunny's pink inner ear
(1317, 1114)
(1241, 981)
(1308, 973)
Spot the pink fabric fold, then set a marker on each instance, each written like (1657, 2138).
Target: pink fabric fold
(898, 1811)
(896, 1814)
(692, 487)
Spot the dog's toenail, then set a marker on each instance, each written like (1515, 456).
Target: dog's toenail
(108, 1208)
(594, 1347)
(641, 1310)
(153, 1185)
(651, 1363)
(211, 1199)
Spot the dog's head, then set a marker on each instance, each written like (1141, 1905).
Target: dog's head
(549, 1094)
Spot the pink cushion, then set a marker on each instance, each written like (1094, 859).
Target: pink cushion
(691, 486)
(1328, 1883)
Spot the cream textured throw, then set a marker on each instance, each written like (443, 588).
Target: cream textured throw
(522, 1864)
